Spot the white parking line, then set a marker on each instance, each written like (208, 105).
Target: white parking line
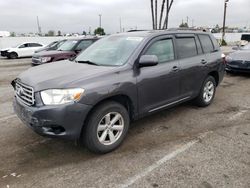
(163, 160)
(7, 117)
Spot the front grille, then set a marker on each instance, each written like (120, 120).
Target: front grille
(24, 93)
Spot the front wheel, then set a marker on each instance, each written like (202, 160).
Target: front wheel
(207, 92)
(106, 127)
(13, 55)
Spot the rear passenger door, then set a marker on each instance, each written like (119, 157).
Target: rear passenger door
(32, 48)
(192, 61)
(23, 50)
(158, 86)
(211, 51)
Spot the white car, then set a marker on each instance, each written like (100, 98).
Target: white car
(26, 49)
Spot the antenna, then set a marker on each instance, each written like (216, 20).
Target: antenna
(38, 26)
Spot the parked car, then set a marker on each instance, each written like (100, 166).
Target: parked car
(68, 49)
(239, 61)
(245, 39)
(118, 79)
(26, 49)
(51, 46)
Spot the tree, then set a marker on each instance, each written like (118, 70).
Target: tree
(162, 11)
(12, 34)
(168, 5)
(99, 31)
(183, 25)
(168, 8)
(51, 33)
(59, 33)
(152, 12)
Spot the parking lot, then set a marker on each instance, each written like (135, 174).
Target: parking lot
(184, 146)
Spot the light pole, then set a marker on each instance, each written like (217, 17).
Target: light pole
(100, 20)
(224, 20)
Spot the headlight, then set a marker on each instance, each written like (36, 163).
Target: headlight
(45, 59)
(61, 96)
(229, 59)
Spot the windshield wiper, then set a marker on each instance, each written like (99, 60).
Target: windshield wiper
(87, 62)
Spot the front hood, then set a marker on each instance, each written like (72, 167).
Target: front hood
(5, 49)
(61, 74)
(243, 55)
(52, 53)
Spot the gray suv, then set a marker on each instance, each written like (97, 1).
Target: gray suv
(118, 79)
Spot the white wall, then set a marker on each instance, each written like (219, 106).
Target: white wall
(6, 42)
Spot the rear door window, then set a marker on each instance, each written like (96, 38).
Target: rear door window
(186, 47)
(34, 45)
(163, 49)
(206, 43)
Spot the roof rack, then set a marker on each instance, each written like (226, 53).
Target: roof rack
(186, 29)
(135, 30)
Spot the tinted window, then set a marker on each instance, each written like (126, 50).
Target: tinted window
(24, 46)
(186, 47)
(163, 49)
(84, 44)
(198, 44)
(206, 43)
(245, 37)
(34, 45)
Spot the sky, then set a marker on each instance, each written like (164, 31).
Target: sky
(77, 15)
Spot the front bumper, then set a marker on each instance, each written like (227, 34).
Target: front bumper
(239, 69)
(63, 121)
(4, 53)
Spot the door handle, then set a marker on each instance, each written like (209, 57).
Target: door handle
(203, 61)
(175, 68)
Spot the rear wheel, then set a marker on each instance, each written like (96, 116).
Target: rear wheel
(207, 92)
(13, 55)
(106, 127)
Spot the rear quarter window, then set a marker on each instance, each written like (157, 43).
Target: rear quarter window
(186, 47)
(206, 43)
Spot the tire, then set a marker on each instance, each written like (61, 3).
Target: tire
(13, 55)
(207, 92)
(101, 118)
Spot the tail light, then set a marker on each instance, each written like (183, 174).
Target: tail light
(223, 57)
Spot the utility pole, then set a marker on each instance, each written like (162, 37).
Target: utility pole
(38, 26)
(100, 20)
(224, 20)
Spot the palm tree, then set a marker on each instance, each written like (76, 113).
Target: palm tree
(156, 6)
(152, 12)
(162, 11)
(168, 7)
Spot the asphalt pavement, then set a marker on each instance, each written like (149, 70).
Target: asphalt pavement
(184, 146)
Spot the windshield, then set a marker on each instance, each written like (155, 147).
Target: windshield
(246, 47)
(68, 45)
(110, 51)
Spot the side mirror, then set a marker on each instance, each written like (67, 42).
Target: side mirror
(77, 51)
(148, 60)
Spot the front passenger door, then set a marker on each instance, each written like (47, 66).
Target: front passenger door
(158, 86)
